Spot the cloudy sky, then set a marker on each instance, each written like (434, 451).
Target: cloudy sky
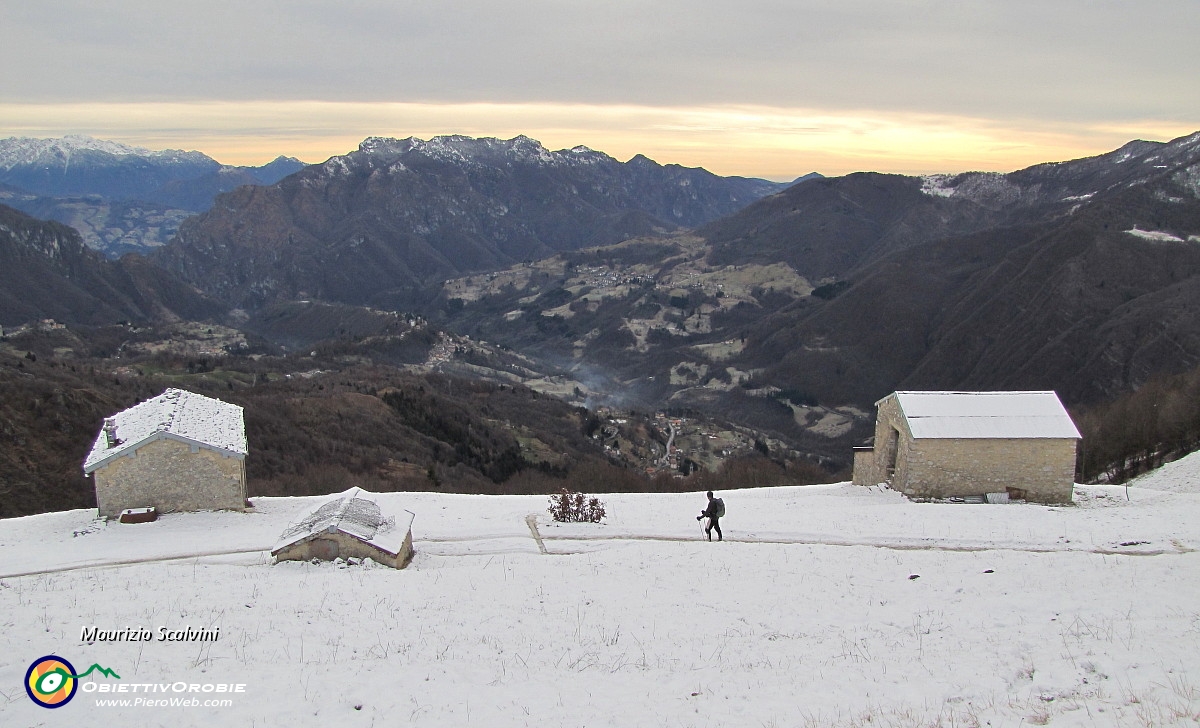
(770, 88)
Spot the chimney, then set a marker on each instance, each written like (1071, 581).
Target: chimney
(110, 432)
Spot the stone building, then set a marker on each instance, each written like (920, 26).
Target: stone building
(179, 451)
(1019, 445)
(349, 526)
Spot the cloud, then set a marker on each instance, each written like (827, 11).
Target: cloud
(765, 87)
(1065, 60)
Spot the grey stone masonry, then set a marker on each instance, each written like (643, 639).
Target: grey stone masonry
(336, 544)
(171, 475)
(1040, 470)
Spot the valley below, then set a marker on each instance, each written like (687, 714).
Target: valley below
(489, 316)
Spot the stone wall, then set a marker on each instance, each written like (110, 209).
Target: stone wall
(891, 438)
(171, 476)
(1041, 470)
(329, 546)
(864, 466)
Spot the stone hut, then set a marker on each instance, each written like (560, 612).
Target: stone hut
(976, 445)
(349, 526)
(179, 451)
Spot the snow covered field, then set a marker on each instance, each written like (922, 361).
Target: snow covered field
(825, 606)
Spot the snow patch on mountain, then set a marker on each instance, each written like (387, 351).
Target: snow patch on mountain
(1179, 476)
(1189, 179)
(1191, 140)
(936, 185)
(337, 167)
(990, 189)
(1155, 235)
(1162, 196)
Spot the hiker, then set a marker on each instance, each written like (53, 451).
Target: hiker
(713, 512)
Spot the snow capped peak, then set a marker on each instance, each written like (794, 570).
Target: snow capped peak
(16, 151)
(387, 145)
(523, 142)
(19, 151)
(77, 142)
(463, 149)
(519, 148)
(583, 155)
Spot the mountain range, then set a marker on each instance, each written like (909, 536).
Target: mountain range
(788, 308)
(121, 198)
(387, 223)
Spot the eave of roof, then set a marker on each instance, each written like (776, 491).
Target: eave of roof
(129, 449)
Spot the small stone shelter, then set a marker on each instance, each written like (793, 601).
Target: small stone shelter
(349, 526)
(179, 451)
(985, 445)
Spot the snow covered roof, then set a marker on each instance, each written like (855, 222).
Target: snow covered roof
(354, 516)
(176, 414)
(985, 415)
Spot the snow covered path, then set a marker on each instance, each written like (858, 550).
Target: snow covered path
(113, 563)
(1103, 521)
(96, 544)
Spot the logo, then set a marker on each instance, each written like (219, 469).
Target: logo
(51, 681)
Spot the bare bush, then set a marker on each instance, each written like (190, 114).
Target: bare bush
(570, 507)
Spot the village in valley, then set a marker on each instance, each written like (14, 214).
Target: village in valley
(590, 277)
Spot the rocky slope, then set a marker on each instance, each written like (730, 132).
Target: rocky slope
(388, 221)
(47, 272)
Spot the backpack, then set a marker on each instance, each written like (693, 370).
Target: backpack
(718, 507)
